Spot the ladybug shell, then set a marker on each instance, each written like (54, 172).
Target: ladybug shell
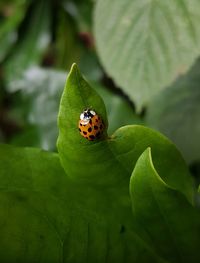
(93, 129)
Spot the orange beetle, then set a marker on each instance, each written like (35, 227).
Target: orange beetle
(90, 125)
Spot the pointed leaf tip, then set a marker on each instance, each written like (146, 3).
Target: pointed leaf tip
(78, 95)
(74, 67)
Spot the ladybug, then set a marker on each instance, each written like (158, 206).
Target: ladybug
(90, 125)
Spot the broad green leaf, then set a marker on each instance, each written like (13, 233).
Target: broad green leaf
(90, 161)
(171, 223)
(29, 192)
(46, 217)
(176, 113)
(144, 45)
(32, 44)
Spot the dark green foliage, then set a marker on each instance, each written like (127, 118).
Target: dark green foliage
(83, 213)
(129, 195)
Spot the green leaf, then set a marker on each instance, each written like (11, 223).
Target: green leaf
(32, 45)
(171, 223)
(77, 96)
(82, 213)
(145, 44)
(176, 113)
(46, 217)
(90, 161)
(29, 192)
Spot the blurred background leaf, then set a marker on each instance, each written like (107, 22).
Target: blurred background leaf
(176, 113)
(41, 90)
(145, 44)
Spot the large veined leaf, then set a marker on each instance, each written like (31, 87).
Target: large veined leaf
(27, 188)
(81, 213)
(145, 44)
(176, 113)
(46, 217)
(172, 225)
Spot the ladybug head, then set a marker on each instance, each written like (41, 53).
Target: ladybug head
(87, 114)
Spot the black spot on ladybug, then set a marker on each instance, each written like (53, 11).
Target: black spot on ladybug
(89, 129)
(84, 132)
(79, 129)
(96, 127)
(90, 121)
(92, 137)
(96, 120)
(80, 124)
(101, 126)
